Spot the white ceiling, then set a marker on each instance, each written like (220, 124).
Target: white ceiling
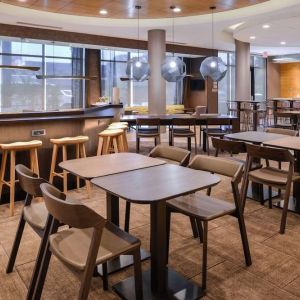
(283, 16)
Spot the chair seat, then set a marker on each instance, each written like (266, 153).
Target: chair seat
(182, 132)
(36, 215)
(21, 145)
(72, 245)
(271, 175)
(110, 132)
(70, 140)
(201, 206)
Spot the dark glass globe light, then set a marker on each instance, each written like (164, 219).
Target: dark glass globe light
(173, 69)
(138, 69)
(214, 68)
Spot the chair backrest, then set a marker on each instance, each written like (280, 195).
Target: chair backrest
(69, 213)
(199, 110)
(179, 155)
(29, 181)
(232, 147)
(184, 121)
(269, 153)
(284, 131)
(147, 121)
(218, 165)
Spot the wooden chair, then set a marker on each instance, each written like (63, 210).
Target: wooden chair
(110, 141)
(78, 142)
(284, 131)
(147, 128)
(171, 155)
(91, 240)
(205, 208)
(11, 149)
(270, 176)
(124, 128)
(187, 130)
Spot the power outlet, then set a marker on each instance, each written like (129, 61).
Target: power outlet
(38, 132)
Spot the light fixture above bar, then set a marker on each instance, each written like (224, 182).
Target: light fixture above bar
(15, 67)
(66, 77)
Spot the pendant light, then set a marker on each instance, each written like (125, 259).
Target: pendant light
(213, 66)
(54, 76)
(17, 67)
(138, 68)
(173, 68)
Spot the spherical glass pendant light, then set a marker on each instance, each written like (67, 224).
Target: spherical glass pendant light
(138, 69)
(173, 69)
(214, 68)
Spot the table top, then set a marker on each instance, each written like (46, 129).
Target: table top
(104, 165)
(289, 142)
(256, 137)
(154, 184)
(247, 101)
(174, 116)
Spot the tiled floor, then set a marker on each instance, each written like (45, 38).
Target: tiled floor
(274, 274)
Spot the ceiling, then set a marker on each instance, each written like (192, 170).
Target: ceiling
(121, 9)
(283, 16)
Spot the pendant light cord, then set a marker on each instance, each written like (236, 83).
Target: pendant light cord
(212, 29)
(138, 7)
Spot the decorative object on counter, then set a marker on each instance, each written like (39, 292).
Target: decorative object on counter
(213, 66)
(116, 95)
(173, 68)
(137, 68)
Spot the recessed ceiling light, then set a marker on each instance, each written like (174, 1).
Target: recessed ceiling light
(266, 26)
(177, 9)
(282, 43)
(103, 12)
(252, 37)
(22, 1)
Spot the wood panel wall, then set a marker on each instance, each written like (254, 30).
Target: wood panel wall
(290, 80)
(273, 80)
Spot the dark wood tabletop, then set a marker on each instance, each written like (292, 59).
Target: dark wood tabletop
(156, 184)
(104, 165)
(256, 137)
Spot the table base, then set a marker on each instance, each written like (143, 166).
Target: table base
(122, 262)
(178, 288)
(294, 205)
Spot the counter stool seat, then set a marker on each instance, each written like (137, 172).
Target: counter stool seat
(119, 123)
(111, 140)
(78, 142)
(12, 148)
(123, 127)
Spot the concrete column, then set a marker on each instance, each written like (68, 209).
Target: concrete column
(242, 71)
(156, 84)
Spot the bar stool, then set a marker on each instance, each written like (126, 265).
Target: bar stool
(11, 149)
(124, 127)
(110, 140)
(78, 142)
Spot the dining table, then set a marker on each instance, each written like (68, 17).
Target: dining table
(145, 181)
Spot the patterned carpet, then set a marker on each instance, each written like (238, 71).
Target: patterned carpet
(274, 274)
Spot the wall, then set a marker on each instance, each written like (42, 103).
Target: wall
(289, 80)
(273, 80)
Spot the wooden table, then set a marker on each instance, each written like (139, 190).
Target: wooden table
(154, 186)
(257, 191)
(104, 165)
(290, 143)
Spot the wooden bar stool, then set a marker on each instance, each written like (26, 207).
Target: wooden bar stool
(78, 142)
(11, 149)
(124, 127)
(110, 140)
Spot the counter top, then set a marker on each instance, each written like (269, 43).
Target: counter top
(100, 112)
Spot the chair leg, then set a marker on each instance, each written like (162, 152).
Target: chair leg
(2, 172)
(189, 144)
(127, 216)
(284, 211)
(196, 146)
(244, 238)
(155, 141)
(200, 230)
(12, 182)
(270, 197)
(194, 227)
(168, 231)
(100, 146)
(65, 174)
(137, 144)
(104, 276)
(16, 244)
(138, 274)
(77, 156)
(36, 165)
(204, 256)
(53, 162)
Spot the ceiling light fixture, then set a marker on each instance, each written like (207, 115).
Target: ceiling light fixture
(173, 68)
(103, 12)
(266, 26)
(252, 37)
(213, 66)
(177, 9)
(283, 43)
(138, 69)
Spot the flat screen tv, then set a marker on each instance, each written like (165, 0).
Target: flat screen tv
(197, 85)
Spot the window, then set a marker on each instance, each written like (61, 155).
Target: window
(113, 68)
(259, 84)
(21, 91)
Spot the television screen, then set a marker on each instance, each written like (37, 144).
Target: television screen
(197, 85)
